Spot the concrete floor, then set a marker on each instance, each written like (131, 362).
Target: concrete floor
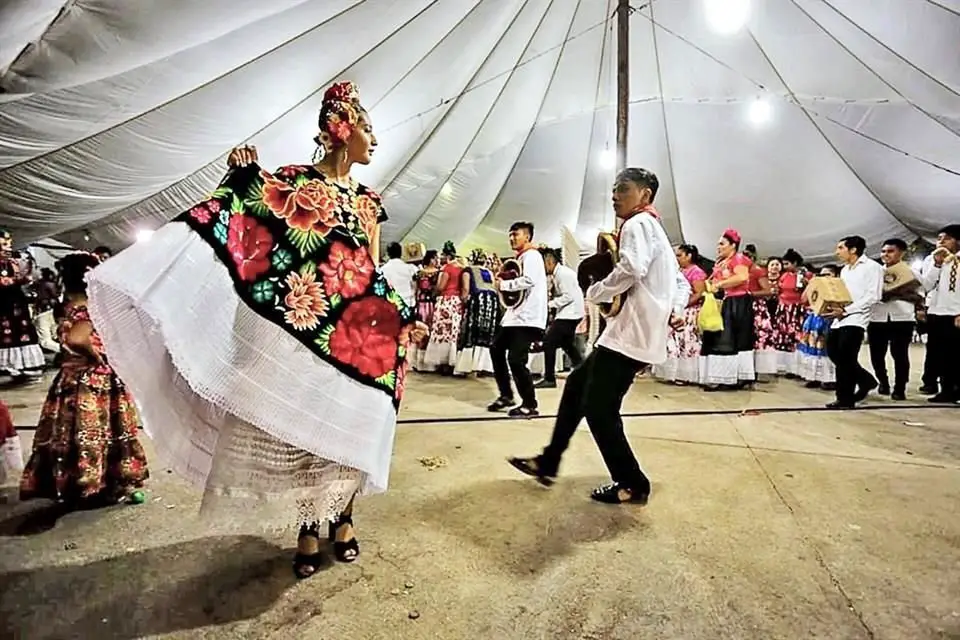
(761, 526)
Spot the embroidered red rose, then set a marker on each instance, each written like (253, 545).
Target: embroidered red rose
(339, 129)
(312, 205)
(249, 245)
(366, 335)
(367, 211)
(201, 214)
(347, 271)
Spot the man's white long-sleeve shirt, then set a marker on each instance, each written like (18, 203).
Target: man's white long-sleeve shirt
(400, 275)
(943, 283)
(532, 312)
(864, 281)
(648, 273)
(569, 299)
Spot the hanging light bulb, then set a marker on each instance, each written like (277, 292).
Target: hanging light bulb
(726, 17)
(608, 159)
(446, 190)
(760, 111)
(144, 234)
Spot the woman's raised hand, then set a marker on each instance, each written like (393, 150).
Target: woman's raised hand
(242, 156)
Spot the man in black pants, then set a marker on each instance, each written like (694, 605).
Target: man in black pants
(864, 280)
(521, 325)
(648, 276)
(569, 309)
(942, 280)
(891, 326)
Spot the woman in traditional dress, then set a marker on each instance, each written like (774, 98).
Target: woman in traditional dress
(726, 358)
(441, 352)
(788, 315)
(85, 449)
(683, 342)
(813, 364)
(20, 354)
(265, 348)
(426, 292)
(480, 317)
(763, 285)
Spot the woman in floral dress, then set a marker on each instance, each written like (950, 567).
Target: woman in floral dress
(441, 352)
(20, 352)
(85, 449)
(763, 286)
(683, 343)
(481, 317)
(813, 364)
(265, 348)
(426, 280)
(788, 315)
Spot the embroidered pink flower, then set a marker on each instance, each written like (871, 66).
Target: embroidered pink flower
(305, 301)
(347, 271)
(213, 205)
(201, 214)
(249, 245)
(366, 335)
(367, 211)
(309, 206)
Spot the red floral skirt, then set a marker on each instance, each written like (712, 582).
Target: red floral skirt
(86, 442)
(787, 324)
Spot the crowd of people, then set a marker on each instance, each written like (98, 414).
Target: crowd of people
(267, 347)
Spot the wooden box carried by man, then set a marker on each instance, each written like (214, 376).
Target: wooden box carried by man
(827, 295)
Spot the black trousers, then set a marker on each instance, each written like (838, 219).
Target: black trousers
(509, 352)
(943, 349)
(895, 336)
(595, 391)
(843, 349)
(561, 334)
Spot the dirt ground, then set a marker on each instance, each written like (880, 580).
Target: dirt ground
(762, 525)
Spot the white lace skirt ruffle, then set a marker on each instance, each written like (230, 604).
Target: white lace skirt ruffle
(273, 435)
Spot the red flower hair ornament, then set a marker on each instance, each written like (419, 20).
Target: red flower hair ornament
(732, 235)
(339, 116)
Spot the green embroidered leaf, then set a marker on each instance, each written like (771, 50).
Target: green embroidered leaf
(219, 193)
(306, 242)
(301, 180)
(401, 352)
(335, 300)
(253, 200)
(308, 267)
(394, 298)
(323, 341)
(236, 205)
(388, 379)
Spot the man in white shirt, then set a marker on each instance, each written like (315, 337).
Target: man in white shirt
(942, 280)
(568, 306)
(520, 326)
(864, 280)
(399, 274)
(891, 326)
(655, 294)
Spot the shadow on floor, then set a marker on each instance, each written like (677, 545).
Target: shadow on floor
(172, 588)
(525, 527)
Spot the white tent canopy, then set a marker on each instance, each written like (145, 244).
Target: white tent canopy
(817, 119)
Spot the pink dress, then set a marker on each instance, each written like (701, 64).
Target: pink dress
(683, 343)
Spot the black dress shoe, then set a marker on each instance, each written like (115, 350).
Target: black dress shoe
(929, 389)
(840, 405)
(610, 494)
(898, 395)
(883, 390)
(864, 391)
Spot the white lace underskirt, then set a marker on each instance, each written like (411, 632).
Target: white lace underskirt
(272, 434)
(27, 359)
(474, 360)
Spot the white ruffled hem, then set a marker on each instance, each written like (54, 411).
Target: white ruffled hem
(27, 360)
(679, 370)
(729, 370)
(233, 402)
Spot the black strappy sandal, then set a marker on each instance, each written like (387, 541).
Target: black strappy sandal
(311, 561)
(344, 551)
(532, 467)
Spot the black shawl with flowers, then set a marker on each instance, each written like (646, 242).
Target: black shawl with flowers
(296, 246)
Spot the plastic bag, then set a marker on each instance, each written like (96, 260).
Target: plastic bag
(709, 318)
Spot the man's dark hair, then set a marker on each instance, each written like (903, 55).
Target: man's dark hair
(896, 243)
(523, 226)
(551, 253)
(642, 178)
(952, 230)
(394, 250)
(857, 243)
(103, 250)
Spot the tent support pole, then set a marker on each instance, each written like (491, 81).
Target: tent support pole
(623, 81)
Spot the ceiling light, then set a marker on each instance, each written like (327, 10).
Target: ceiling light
(726, 17)
(608, 159)
(446, 190)
(144, 234)
(760, 111)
